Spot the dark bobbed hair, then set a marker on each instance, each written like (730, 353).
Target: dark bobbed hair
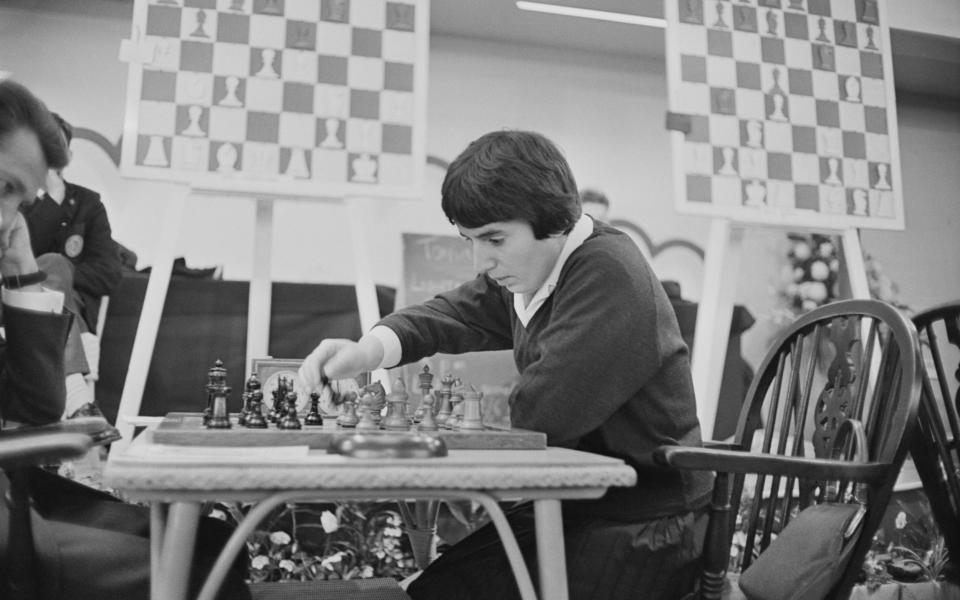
(20, 109)
(512, 176)
(65, 127)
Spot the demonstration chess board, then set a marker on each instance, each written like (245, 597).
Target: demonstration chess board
(324, 96)
(188, 429)
(785, 111)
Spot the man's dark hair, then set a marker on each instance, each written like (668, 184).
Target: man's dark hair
(65, 127)
(511, 176)
(20, 109)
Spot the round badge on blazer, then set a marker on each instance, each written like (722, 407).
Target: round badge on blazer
(73, 246)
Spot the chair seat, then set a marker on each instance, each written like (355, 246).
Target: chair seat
(379, 588)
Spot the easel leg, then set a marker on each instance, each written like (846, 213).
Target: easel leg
(367, 304)
(149, 324)
(721, 270)
(856, 267)
(259, 305)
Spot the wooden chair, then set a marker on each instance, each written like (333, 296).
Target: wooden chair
(936, 448)
(19, 451)
(851, 360)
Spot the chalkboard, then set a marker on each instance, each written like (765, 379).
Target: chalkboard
(434, 264)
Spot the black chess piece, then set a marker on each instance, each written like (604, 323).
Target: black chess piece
(220, 418)
(216, 377)
(255, 418)
(290, 419)
(313, 417)
(244, 409)
(201, 20)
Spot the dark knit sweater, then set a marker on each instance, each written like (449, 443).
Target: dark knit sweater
(602, 365)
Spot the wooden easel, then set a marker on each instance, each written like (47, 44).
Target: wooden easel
(259, 306)
(721, 269)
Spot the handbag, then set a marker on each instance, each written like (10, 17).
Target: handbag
(811, 553)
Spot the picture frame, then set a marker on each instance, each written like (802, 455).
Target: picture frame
(270, 370)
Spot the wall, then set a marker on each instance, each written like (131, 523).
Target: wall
(605, 111)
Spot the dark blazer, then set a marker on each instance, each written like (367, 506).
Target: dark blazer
(79, 229)
(31, 366)
(90, 545)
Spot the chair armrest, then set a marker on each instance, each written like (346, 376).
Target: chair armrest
(732, 461)
(27, 447)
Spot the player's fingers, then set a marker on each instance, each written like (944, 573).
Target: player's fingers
(311, 369)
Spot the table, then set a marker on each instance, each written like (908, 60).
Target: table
(176, 480)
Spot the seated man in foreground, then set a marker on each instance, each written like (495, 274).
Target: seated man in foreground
(89, 545)
(602, 365)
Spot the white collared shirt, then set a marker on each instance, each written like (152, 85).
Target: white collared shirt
(525, 310)
(392, 350)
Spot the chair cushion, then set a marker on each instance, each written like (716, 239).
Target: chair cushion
(380, 588)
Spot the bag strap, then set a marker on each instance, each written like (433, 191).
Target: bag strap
(850, 443)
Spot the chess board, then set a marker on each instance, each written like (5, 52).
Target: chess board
(187, 429)
(301, 97)
(784, 112)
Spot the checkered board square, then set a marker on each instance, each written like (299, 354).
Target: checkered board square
(323, 97)
(785, 111)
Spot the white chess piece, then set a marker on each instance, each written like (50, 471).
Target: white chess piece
(756, 193)
(156, 154)
(852, 88)
(882, 183)
(754, 134)
(268, 55)
(332, 126)
(364, 169)
(832, 177)
(193, 127)
(860, 202)
(227, 158)
(727, 167)
(777, 113)
(298, 164)
(230, 97)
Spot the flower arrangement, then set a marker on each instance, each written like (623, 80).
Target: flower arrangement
(809, 279)
(304, 542)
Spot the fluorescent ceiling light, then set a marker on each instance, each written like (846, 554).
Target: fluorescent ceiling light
(589, 13)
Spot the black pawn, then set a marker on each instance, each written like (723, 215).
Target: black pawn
(313, 417)
(255, 418)
(290, 419)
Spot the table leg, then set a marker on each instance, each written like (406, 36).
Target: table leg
(551, 560)
(158, 525)
(176, 551)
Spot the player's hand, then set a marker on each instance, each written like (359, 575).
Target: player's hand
(340, 359)
(16, 256)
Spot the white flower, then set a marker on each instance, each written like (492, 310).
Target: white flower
(280, 538)
(901, 521)
(260, 562)
(328, 562)
(808, 305)
(819, 270)
(287, 565)
(825, 249)
(801, 251)
(329, 521)
(798, 274)
(366, 572)
(392, 531)
(815, 291)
